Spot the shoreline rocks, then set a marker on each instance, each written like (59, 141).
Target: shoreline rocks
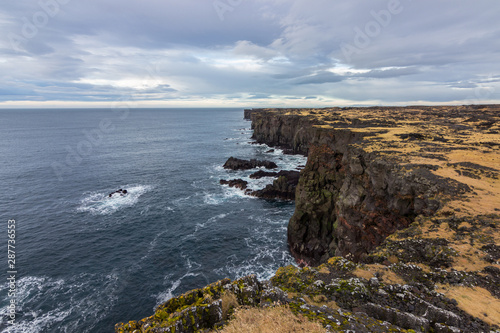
(238, 164)
(283, 187)
(237, 183)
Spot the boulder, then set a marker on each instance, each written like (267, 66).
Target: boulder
(261, 173)
(238, 164)
(238, 183)
(282, 188)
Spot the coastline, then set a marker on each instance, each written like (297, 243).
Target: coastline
(395, 209)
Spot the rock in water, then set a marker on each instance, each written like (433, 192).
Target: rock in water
(238, 183)
(261, 173)
(239, 164)
(120, 192)
(282, 188)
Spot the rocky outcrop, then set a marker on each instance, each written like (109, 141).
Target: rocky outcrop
(353, 194)
(199, 309)
(284, 187)
(239, 164)
(261, 173)
(237, 183)
(348, 201)
(337, 284)
(292, 133)
(333, 294)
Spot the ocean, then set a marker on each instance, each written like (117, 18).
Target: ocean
(84, 261)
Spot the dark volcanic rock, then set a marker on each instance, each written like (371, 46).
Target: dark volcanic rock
(493, 252)
(292, 175)
(351, 206)
(261, 173)
(238, 183)
(349, 199)
(282, 188)
(239, 164)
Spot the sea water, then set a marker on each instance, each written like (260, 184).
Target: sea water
(86, 261)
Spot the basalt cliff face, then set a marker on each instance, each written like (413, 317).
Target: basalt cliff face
(360, 185)
(397, 224)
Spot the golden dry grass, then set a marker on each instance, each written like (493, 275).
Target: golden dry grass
(486, 197)
(363, 273)
(387, 276)
(229, 302)
(470, 258)
(272, 320)
(477, 302)
(320, 300)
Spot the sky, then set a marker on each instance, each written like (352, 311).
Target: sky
(248, 53)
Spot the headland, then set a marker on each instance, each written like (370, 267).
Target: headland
(396, 226)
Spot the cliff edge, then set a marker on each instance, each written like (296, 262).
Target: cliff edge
(372, 171)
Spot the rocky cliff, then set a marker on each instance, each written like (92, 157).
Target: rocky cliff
(367, 175)
(397, 209)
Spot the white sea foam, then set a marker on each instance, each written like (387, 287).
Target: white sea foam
(183, 201)
(228, 194)
(152, 244)
(189, 263)
(217, 217)
(99, 203)
(267, 250)
(34, 294)
(209, 221)
(205, 224)
(263, 264)
(169, 293)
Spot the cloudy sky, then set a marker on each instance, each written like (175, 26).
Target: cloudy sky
(248, 53)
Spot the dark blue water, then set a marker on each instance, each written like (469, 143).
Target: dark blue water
(86, 261)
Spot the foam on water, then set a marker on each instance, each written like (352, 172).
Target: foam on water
(169, 293)
(99, 203)
(210, 220)
(263, 264)
(227, 194)
(268, 250)
(34, 316)
(205, 224)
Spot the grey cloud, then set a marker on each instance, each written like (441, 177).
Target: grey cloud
(439, 51)
(319, 78)
(389, 73)
(463, 85)
(260, 96)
